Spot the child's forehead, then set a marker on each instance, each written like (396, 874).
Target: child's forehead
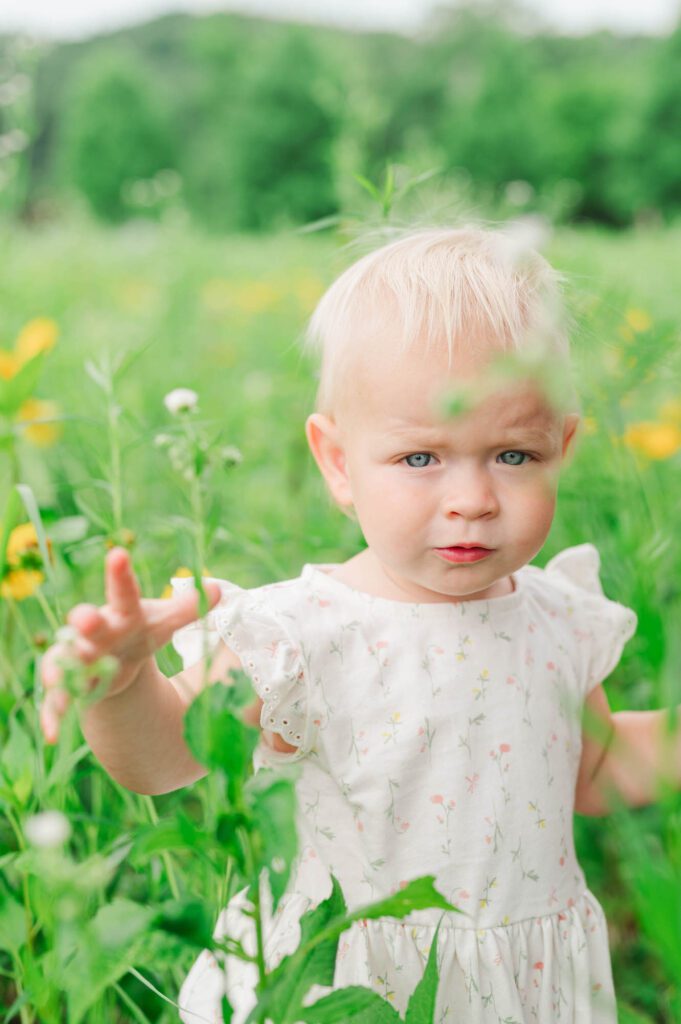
(418, 390)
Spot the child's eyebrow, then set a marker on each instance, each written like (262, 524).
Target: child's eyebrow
(522, 431)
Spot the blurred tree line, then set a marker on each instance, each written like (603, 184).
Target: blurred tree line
(249, 124)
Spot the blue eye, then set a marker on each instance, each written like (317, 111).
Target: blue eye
(515, 458)
(419, 460)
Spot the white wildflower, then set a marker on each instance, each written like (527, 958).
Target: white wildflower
(47, 829)
(65, 635)
(180, 400)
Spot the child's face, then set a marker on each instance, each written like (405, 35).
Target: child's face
(422, 484)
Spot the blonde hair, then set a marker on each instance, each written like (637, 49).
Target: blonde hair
(463, 286)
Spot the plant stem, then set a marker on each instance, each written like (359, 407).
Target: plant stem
(165, 856)
(115, 452)
(47, 611)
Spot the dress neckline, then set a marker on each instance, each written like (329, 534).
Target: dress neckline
(319, 572)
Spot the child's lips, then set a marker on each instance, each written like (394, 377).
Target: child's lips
(464, 553)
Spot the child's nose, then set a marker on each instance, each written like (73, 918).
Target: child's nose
(470, 493)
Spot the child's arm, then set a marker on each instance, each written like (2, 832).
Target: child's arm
(625, 757)
(136, 728)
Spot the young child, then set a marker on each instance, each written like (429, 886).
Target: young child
(432, 687)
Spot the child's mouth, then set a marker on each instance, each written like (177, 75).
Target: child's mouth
(459, 553)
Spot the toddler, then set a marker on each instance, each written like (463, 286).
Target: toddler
(432, 688)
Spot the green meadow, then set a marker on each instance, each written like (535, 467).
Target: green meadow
(148, 307)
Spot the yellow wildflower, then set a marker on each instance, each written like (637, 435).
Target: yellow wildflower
(21, 583)
(41, 434)
(23, 573)
(182, 573)
(589, 425)
(22, 539)
(37, 336)
(638, 320)
(653, 440)
(9, 364)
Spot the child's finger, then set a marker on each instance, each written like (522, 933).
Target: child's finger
(50, 671)
(88, 621)
(180, 611)
(52, 711)
(122, 588)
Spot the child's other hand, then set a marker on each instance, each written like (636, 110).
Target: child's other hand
(128, 628)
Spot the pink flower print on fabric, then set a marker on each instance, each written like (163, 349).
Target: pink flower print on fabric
(427, 734)
(503, 766)
(443, 816)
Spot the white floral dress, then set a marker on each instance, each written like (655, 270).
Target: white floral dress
(435, 739)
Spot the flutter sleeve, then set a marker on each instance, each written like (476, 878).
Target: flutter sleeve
(260, 635)
(601, 627)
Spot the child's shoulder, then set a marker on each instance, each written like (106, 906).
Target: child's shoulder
(568, 591)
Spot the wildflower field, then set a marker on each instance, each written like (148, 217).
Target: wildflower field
(105, 902)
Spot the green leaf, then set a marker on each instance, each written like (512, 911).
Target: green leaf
(31, 506)
(178, 833)
(15, 391)
(107, 947)
(217, 737)
(420, 894)
(421, 1008)
(12, 924)
(368, 186)
(288, 984)
(273, 800)
(18, 762)
(189, 920)
(69, 529)
(9, 521)
(355, 1003)
(63, 768)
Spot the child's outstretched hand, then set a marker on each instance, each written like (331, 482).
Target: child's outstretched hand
(128, 628)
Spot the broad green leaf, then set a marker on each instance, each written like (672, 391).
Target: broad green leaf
(355, 1003)
(291, 980)
(189, 920)
(216, 736)
(420, 894)
(63, 768)
(273, 800)
(240, 687)
(177, 833)
(18, 762)
(69, 529)
(12, 923)
(421, 1008)
(107, 947)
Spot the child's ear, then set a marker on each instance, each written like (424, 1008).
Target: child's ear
(324, 439)
(569, 431)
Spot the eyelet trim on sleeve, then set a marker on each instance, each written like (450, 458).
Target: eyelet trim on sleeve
(605, 626)
(274, 663)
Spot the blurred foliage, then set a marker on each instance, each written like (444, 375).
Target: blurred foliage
(253, 124)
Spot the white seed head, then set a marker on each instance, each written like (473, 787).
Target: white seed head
(180, 400)
(65, 635)
(47, 829)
